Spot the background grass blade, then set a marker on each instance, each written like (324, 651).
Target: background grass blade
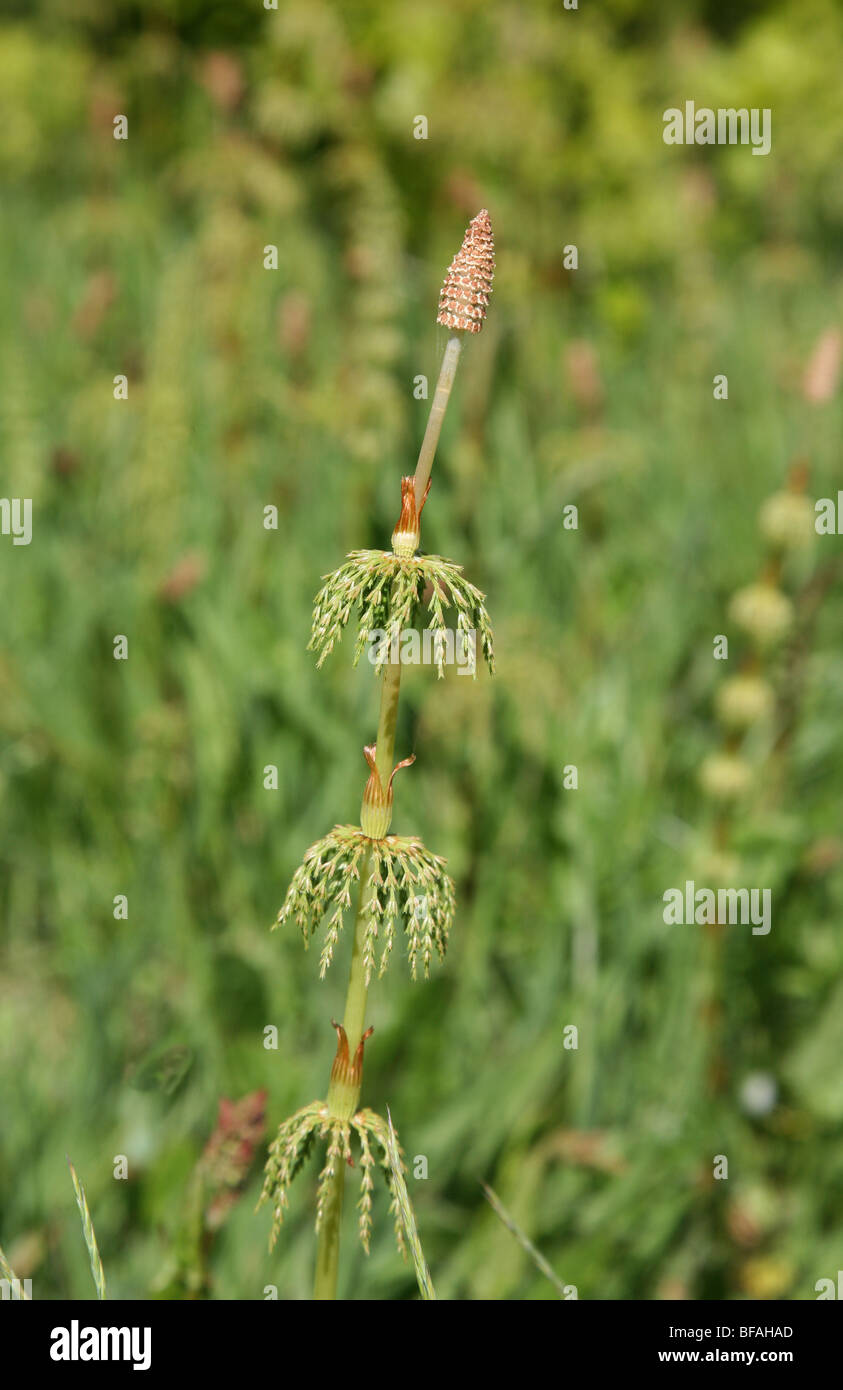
(535, 1255)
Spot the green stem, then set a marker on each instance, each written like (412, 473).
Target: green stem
(328, 1246)
(354, 1019)
(437, 414)
(356, 997)
(385, 748)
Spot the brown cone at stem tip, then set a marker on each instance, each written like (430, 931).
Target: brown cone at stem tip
(376, 811)
(464, 296)
(407, 533)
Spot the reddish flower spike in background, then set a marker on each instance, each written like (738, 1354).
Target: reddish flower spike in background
(229, 1152)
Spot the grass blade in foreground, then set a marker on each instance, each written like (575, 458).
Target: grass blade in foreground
(88, 1232)
(6, 1272)
(405, 1212)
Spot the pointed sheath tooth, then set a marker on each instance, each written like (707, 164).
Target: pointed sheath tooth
(464, 296)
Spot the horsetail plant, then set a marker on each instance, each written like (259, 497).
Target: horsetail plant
(398, 883)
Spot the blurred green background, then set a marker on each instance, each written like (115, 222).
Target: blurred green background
(293, 387)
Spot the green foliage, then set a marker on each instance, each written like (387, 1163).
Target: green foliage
(292, 1145)
(387, 593)
(406, 884)
(293, 389)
